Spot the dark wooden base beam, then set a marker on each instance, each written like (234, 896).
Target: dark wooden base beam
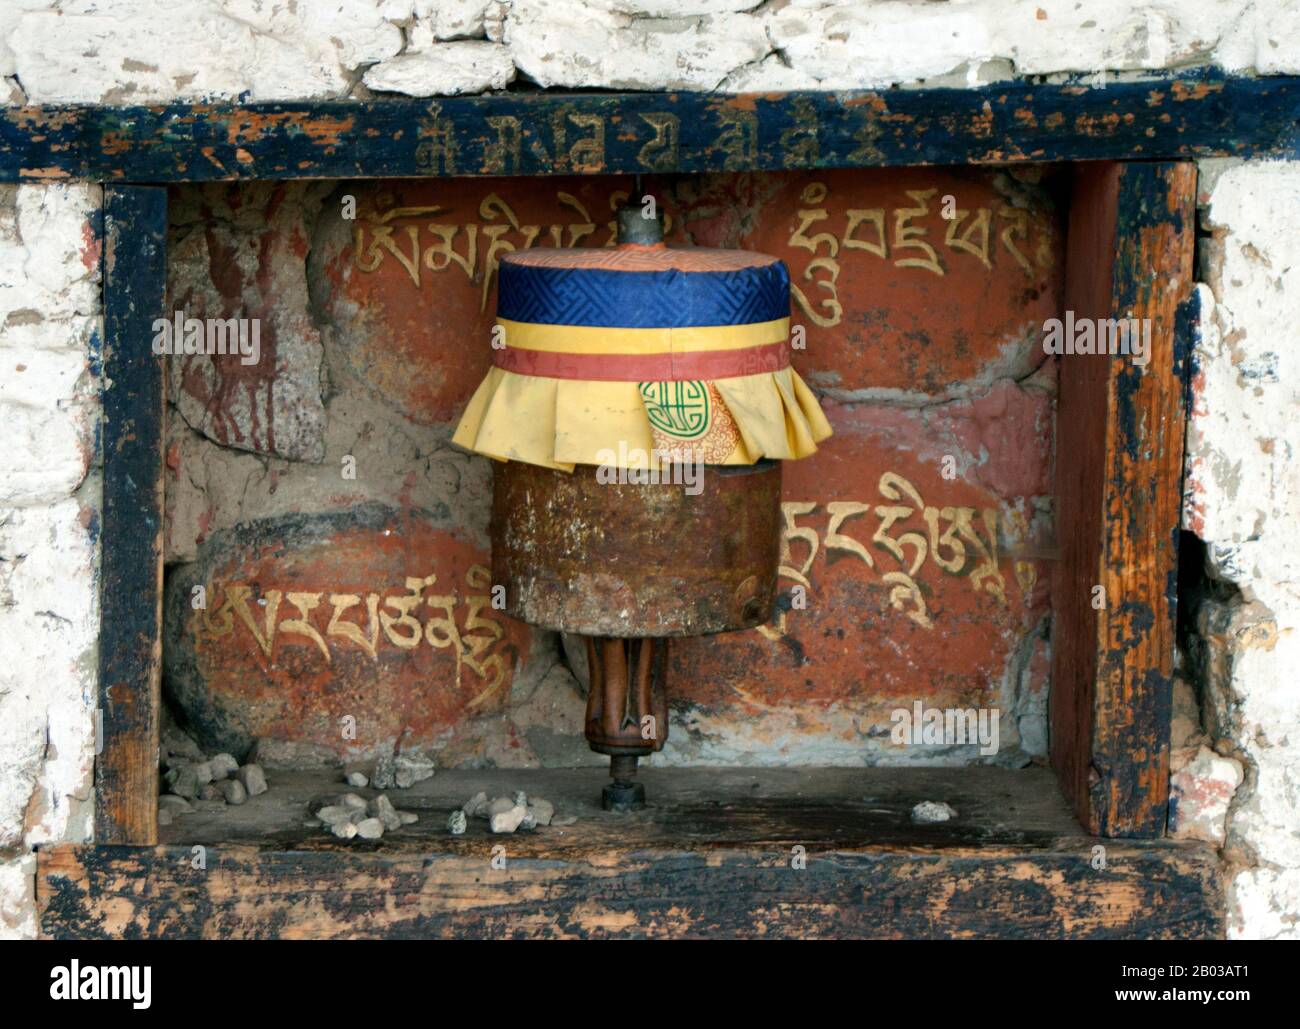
(714, 855)
(1148, 891)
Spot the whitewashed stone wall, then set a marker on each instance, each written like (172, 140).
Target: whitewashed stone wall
(148, 51)
(1242, 498)
(49, 521)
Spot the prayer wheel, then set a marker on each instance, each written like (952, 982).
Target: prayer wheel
(640, 402)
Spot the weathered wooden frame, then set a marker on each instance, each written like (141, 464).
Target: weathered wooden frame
(1130, 255)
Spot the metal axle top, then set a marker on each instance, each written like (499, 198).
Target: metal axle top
(635, 227)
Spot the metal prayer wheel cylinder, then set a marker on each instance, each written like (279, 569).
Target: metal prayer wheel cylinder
(627, 564)
(623, 559)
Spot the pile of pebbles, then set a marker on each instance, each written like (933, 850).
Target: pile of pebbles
(350, 815)
(189, 777)
(506, 814)
(390, 773)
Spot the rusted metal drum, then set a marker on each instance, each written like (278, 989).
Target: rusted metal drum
(624, 559)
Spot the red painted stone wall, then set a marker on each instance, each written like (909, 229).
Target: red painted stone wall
(913, 558)
(914, 585)
(895, 299)
(349, 632)
(240, 252)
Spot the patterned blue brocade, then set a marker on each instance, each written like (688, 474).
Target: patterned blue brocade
(668, 299)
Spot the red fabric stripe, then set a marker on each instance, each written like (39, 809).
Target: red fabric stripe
(700, 364)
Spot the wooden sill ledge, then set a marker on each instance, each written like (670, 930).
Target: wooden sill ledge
(711, 856)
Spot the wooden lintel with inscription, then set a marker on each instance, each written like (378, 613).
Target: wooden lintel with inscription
(1190, 115)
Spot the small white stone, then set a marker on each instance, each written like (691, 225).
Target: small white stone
(353, 801)
(382, 808)
(233, 791)
(336, 813)
(408, 817)
(358, 779)
(384, 775)
(183, 782)
(933, 811)
(344, 830)
(457, 822)
(253, 779)
(1201, 787)
(500, 805)
(174, 805)
(223, 766)
(411, 769)
(542, 811)
(401, 772)
(507, 821)
(370, 828)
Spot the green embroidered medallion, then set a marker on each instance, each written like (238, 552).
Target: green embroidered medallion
(679, 409)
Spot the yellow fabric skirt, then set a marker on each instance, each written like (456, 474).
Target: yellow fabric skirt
(559, 423)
